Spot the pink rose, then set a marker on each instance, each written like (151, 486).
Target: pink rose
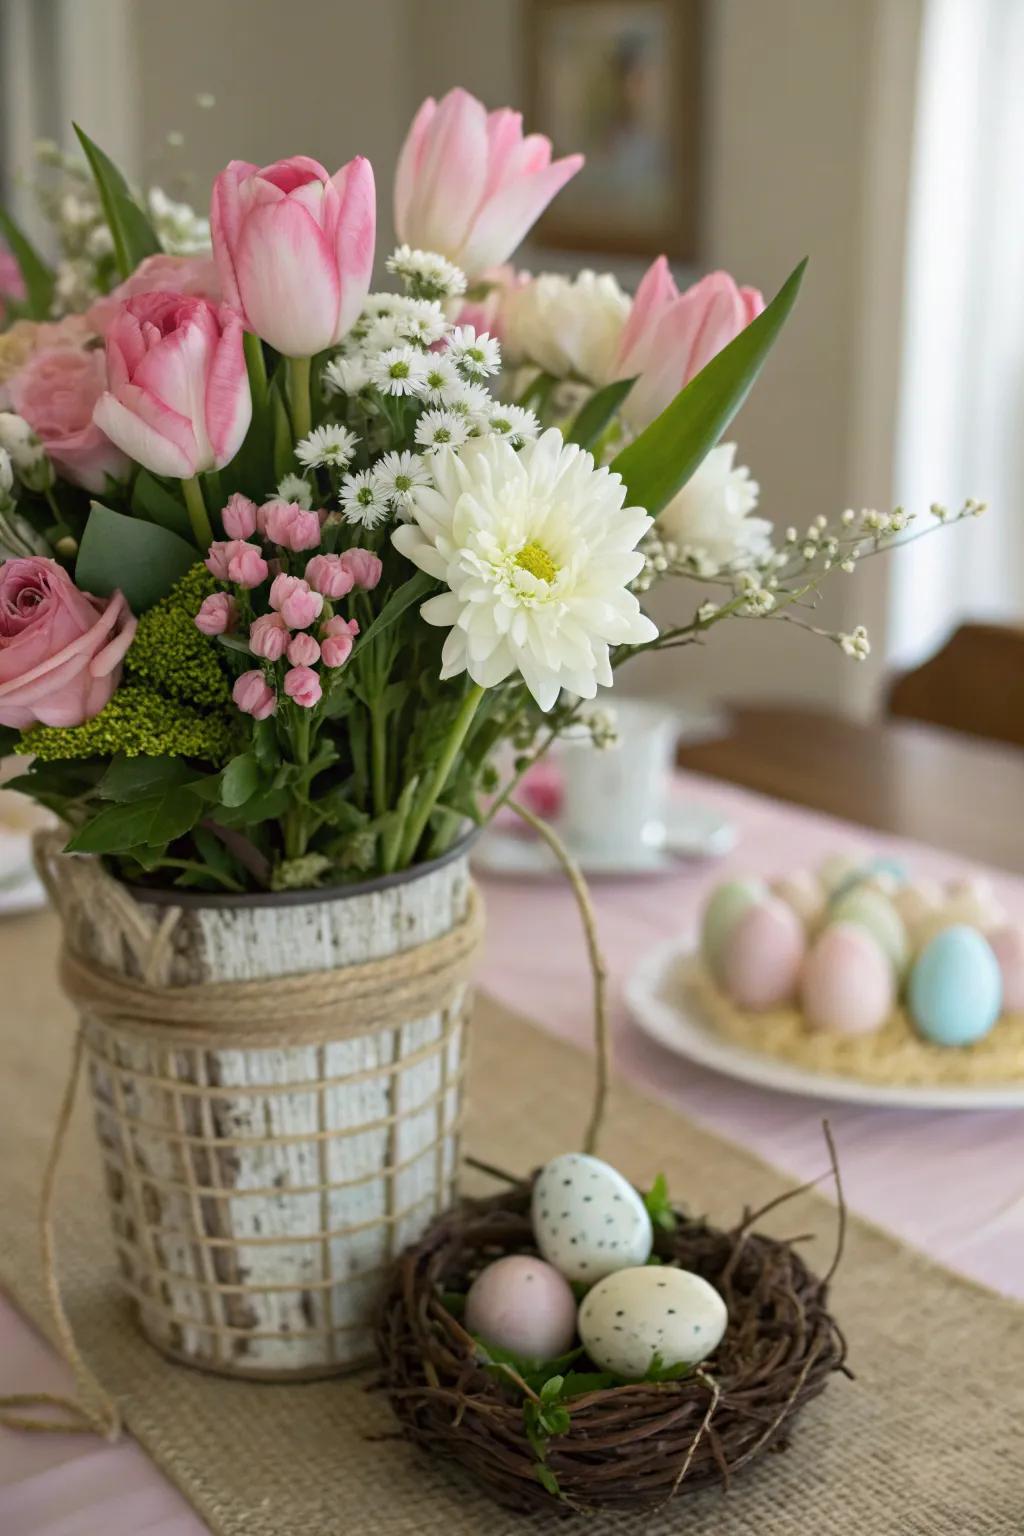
(56, 392)
(363, 566)
(294, 248)
(194, 276)
(327, 574)
(235, 560)
(336, 644)
(239, 517)
(303, 685)
(254, 695)
(269, 636)
(12, 284)
(177, 400)
(291, 526)
(217, 614)
(295, 601)
(303, 650)
(60, 649)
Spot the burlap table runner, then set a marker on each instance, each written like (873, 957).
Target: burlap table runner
(928, 1441)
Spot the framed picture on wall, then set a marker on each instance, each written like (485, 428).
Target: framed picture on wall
(620, 80)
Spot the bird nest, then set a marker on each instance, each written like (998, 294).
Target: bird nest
(622, 1448)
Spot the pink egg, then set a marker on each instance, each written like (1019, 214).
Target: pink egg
(847, 985)
(523, 1305)
(1008, 946)
(762, 955)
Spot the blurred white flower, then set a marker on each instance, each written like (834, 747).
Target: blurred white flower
(399, 475)
(295, 488)
(426, 274)
(566, 326)
(474, 356)
(708, 519)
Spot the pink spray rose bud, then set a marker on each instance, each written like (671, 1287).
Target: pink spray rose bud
(192, 275)
(239, 517)
(60, 649)
(291, 526)
(670, 336)
(303, 685)
(327, 574)
(56, 392)
(294, 248)
(268, 636)
(469, 185)
(235, 560)
(295, 601)
(177, 399)
(217, 614)
(254, 695)
(303, 650)
(336, 644)
(363, 566)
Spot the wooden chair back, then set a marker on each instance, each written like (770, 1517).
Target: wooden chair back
(975, 683)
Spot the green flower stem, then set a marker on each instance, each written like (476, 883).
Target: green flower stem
(379, 759)
(298, 395)
(438, 779)
(256, 368)
(197, 514)
(296, 834)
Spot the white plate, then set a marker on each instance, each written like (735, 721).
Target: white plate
(652, 997)
(20, 896)
(692, 832)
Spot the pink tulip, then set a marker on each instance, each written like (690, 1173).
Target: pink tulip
(177, 399)
(56, 392)
(295, 601)
(235, 560)
(217, 614)
(670, 336)
(269, 636)
(294, 248)
(12, 284)
(336, 642)
(254, 695)
(327, 574)
(303, 650)
(60, 649)
(291, 526)
(303, 685)
(239, 517)
(468, 184)
(363, 566)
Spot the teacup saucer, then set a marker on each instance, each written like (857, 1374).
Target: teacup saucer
(692, 832)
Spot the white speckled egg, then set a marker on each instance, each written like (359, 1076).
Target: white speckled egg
(524, 1305)
(877, 914)
(762, 955)
(587, 1219)
(727, 903)
(955, 988)
(838, 868)
(848, 984)
(639, 1313)
(804, 892)
(1008, 948)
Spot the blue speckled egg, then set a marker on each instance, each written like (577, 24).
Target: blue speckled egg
(956, 988)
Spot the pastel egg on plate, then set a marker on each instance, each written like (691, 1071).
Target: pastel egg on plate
(875, 912)
(837, 868)
(762, 955)
(587, 1219)
(916, 901)
(973, 901)
(1008, 947)
(637, 1314)
(803, 891)
(848, 984)
(524, 1305)
(727, 903)
(955, 989)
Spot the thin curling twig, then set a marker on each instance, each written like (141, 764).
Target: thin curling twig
(840, 1202)
(599, 971)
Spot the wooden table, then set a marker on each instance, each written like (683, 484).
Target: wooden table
(919, 781)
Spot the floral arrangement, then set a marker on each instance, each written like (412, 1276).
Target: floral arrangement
(286, 560)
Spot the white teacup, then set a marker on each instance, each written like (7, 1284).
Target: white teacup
(616, 797)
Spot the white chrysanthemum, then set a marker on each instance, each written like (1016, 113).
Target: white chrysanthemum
(537, 551)
(708, 518)
(442, 381)
(330, 444)
(514, 422)
(398, 371)
(569, 327)
(474, 356)
(442, 429)
(346, 375)
(427, 274)
(399, 475)
(363, 499)
(297, 489)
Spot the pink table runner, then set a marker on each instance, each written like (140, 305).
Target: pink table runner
(951, 1183)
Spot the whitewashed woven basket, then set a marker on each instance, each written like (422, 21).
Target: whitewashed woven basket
(258, 1194)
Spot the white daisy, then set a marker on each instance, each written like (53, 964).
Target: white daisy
(426, 274)
(330, 444)
(442, 381)
(382, 333)
(474, 356)
(422, 321)
(512, 421)
(346, 375)
(472, 401)
(398, 371)
(537, 551)
(297, 489)
(363, 499)
(399, 474)
(441, 429)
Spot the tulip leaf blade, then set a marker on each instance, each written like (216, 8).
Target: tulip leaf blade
(598, 412)
(418, 587)
(660, 461)
(152, 502)
(281, 433)
(36, 275)
(119, 553)
(133, 235)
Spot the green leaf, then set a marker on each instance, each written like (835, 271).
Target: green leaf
(8, 737)
(155, 504)
(579, 1383)
(665, 455)
(598, 412)
(659, 1205)
(155, 819)
(37, 276)
(133, 235)
(240, 780)
(235, 643)
(551, 1391)
(141, 559)
(129, 778)
(412, 591)
(281, 434)
(547, 1479)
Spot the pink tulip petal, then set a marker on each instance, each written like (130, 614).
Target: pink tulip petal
(289, 278)
(753, 302)
(228, 403)
(656, 291)
(148, 432)
(504, 138)
(708, 316)
(225, 223)
(288, 175)
(355, 237)
(408, 167)
(452, 175)
(532, 154)
(507, 217)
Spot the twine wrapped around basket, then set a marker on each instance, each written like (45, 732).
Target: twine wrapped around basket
(278, 1092)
